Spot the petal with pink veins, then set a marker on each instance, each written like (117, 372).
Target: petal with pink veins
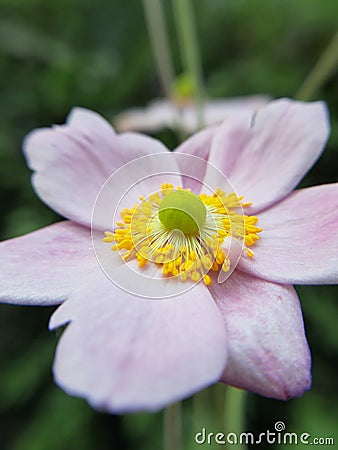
(299, 242)
(265, 158)
(268, 351)
(197, 146)
(71, 162)
(124, 353)
(198, 174)
(46, 266)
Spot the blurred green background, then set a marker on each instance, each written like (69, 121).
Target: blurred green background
(55, 55)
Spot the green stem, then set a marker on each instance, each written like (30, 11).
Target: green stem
(172, 427)
(325, 66)
(218, 391)
(234, 414)
(190, 54)
(159, 42)
(201, 408)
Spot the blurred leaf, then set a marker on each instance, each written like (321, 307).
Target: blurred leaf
(22, 377)
(58, 424)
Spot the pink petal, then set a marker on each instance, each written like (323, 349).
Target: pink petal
(266, 158)
(216, 111)
(140, 177)
(299, 242)
(147, 282)
(46, 266)
(198, 148)
(160, 114)
(124, 353)
(268, 352)
(72, 162)
(198, 174)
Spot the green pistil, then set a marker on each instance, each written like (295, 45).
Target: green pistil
(182, 210)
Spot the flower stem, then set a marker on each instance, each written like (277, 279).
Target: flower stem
(190, 54)
(159, 42)
(172, 427)
(201, 409)
(218, 391)
(234, 414)
(325, 66)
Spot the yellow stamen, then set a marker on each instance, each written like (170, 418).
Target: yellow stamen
(189, 248)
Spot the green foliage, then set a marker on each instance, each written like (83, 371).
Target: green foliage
(55, 55)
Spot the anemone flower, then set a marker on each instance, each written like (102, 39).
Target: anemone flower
(162, 113)
(191, 283)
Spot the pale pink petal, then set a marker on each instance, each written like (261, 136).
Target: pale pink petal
(218, 110)
(268, 352)
(140, 177)
(72, 162)
(124, 353)
(46, 266)
(199, 144)
(299, 242)
(90, 123)
(147, 281)
(198, 147)
(198, 174)
(266, 158)
(158, 115)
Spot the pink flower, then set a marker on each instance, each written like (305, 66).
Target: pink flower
(162, 113)
(125, 353)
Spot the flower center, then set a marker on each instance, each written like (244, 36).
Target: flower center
(182, 210)
(186, 235)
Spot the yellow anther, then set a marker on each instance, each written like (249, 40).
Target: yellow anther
(175, 272)
(219, 256)
(192, 255)
(207, 280)
(178, 261)
(142, 235)
(159, 259)
(207, 262)
(120, 231)
(109, 239)
(188, 265)
(184, 276)
(250, 253)
(126, 255)
(226, 265)
(195, 276)
(214, 266)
